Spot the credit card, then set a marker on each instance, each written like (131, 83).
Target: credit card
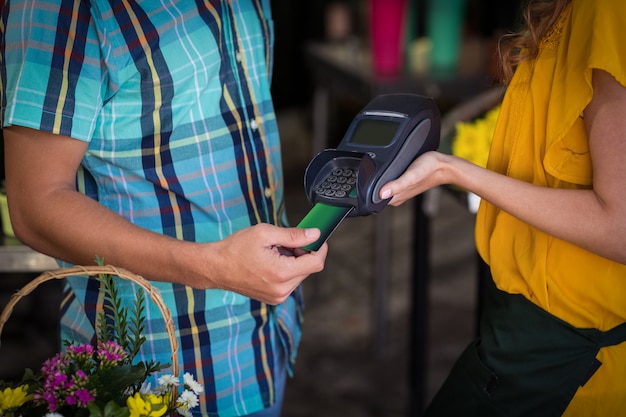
(326, 218)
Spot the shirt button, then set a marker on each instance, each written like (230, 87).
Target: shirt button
(267, 192)
(238, 56)
(253, 124)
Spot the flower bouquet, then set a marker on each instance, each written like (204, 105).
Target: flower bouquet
(472, 138)
(102, 380)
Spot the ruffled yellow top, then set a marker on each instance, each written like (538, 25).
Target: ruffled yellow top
(540, 138)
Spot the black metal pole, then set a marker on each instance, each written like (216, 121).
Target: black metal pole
(418, 353)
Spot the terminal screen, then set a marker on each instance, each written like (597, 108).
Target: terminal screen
(374, 132)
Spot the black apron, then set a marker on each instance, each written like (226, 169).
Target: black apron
(526, 362)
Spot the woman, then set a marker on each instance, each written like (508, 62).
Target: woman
(552, 223)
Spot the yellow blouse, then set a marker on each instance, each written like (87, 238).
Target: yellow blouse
(540, 138)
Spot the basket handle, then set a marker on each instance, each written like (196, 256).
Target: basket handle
(92, 271)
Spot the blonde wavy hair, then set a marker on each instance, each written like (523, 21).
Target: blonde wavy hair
(538, 18)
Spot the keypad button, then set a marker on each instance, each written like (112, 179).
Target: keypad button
(339, 184)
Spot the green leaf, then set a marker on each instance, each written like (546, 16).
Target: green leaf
(94, 410)
(114, 312)
(111, 383)
(152, 367)
(111, 409)
(137, 325)
(115, 322)
(114, 410)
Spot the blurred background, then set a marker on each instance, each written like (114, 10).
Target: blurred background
(398, 299)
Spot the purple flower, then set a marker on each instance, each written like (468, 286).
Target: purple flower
(80, 350)
(65, 378)
(59, 380)
(54, 364)
(47, 397)
(110, 354)
(84, 396)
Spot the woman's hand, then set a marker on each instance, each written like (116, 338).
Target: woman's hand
(594, 219)
(426, 172)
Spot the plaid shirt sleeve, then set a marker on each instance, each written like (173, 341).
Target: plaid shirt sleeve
(173, 98)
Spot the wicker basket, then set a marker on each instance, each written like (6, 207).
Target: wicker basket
(90, 272)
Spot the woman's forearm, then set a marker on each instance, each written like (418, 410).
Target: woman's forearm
(578, 216)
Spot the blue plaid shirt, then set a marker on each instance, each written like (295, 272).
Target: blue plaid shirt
(174, 100)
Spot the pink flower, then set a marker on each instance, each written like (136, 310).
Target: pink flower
(65, 378)
(84, 396)
(110, 354)
(82, 350)
(59, 380)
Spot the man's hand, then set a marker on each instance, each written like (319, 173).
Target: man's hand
(265, 262)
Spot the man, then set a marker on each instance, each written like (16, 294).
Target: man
(143, 132)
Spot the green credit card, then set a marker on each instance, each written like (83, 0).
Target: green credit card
(326, 218)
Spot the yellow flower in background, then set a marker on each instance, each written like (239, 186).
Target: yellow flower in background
(14, 397)
(146, 405)
(473, 139)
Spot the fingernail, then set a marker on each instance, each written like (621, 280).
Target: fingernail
(385, 194)
(310, 232)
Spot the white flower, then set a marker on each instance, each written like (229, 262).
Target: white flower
(168, 380)
(187, 400)
(192, 384)
(146, 388)
(53, 415)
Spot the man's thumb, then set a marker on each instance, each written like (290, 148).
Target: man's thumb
(302, 236)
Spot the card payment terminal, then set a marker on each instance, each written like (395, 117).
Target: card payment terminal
(380, 143)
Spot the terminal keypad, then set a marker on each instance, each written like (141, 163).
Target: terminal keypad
(340, 183)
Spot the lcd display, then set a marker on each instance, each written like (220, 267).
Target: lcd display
(374, 132)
